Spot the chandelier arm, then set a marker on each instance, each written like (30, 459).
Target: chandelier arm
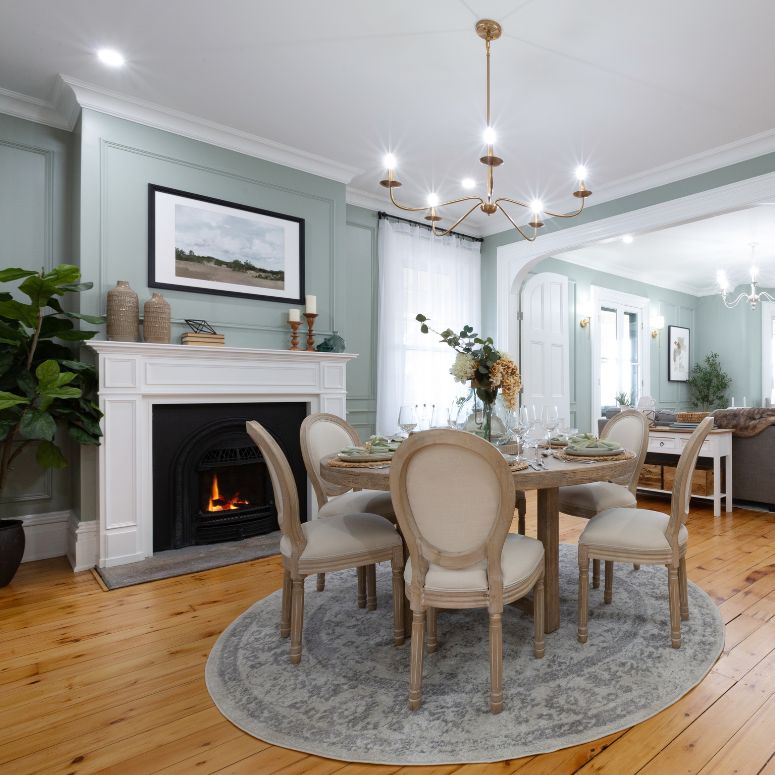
(567, 215)
(511, 220)
(513, 201)
(766, 296)
(405, 208)
(476, 199)
(457, 223)
(738, 299)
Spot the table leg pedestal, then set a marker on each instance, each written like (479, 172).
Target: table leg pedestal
(549, 536)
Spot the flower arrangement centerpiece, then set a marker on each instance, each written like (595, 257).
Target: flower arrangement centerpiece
(486, 369)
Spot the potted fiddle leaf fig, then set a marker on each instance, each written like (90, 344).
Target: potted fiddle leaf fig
(43, 384)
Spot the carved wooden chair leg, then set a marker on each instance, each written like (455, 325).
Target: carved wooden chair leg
(683, 588)
(595, 574)
(321, 582)
(297, 619)
(675, 606)
(371, 587)
(583, 601)
(538, 618)
(608, 593)
(431, 625)
(636, 566)
(397, 565)
(496, 662)
(285, 616)
(415, 672)
(361, 587)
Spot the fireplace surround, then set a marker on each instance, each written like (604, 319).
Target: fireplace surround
(136, 378)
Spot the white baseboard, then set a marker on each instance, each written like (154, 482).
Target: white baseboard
(81, 544)
(45, 535)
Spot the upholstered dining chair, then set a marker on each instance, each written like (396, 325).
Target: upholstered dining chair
(325, 434)
(647, 537)
(336, 543)
(454, 499)
(631, 429)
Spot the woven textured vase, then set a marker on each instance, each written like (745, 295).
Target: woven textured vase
(123, 313)
(156, 320)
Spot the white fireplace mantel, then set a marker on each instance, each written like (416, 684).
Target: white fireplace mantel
(135, 376)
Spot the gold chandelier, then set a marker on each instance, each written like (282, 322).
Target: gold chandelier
(488, 30)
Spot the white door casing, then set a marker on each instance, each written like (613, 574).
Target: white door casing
(545, 345)
(768, 334)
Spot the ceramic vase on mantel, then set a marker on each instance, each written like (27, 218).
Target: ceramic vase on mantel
(123, 313)
(156, 320)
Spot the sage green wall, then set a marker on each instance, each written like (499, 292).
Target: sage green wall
(34, 224)
(677, 308)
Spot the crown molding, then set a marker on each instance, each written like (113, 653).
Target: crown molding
(96, 98)
(32, 109)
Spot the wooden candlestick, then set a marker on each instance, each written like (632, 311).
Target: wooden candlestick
(294, 324)
(310, 326)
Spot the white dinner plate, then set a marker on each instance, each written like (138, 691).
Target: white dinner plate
(592, 451)
(365, 457)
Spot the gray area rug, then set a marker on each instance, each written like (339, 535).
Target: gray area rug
(192, 559)
(348, 698)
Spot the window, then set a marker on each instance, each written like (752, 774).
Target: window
(620, 352)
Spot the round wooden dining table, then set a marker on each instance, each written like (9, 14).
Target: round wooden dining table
(558, 473)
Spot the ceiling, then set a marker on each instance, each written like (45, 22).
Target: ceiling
(686, 257)
(626, 88)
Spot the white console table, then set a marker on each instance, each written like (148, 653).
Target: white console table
(718, 444)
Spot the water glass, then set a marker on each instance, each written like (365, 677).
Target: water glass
(439, 417)
(407, 419)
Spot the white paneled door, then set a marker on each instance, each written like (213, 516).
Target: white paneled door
(545, 346)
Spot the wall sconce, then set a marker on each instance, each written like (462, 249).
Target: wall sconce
(657, 324)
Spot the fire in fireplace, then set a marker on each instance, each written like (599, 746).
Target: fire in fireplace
(218, 502)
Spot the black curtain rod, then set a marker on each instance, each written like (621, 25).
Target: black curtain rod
(381, 214)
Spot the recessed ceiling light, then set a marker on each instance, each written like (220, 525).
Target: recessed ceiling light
(111, 57)
(627, 239)
(468, 183)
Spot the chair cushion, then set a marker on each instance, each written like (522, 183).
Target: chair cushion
(584, 500)
(369, 501)
(520, 557)
(344, 535)
(639, 529)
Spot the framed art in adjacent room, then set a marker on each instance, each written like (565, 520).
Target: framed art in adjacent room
(678, 354)
(206, 245)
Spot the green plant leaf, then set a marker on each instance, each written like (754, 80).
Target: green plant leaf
(52, 326)
(37, 424)
(7, 400)
(76, 287)
(76, 336)
(420, 318)
(50, 456)
(47, 373)
(9, 334)
(81, 436)
(424, 328)
(95, 320)
(27, 384)
(62, 392)
(38, 290)
(14, 273)
(15, 310)
(63, 274)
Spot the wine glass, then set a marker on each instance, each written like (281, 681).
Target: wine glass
(439, 417)
(551, 421)
(407, 419)
(521, 427)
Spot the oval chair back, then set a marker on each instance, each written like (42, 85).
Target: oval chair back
(631, 429)
(285, 493)
(453, 495)
(324, 434)
(682, 484)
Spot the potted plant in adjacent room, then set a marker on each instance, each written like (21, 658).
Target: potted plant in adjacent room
(708, 384)
(43, 384)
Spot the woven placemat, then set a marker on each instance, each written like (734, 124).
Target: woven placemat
(336, 463)
(625, 455)
(520, 465)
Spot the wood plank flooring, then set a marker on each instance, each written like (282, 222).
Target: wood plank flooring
(95, 681)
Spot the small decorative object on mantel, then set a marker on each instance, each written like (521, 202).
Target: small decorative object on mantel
(156, 320)
(488, 371)
(202, 334)
(310, 313)
(294, 321)
(123, 308)
(332, 344)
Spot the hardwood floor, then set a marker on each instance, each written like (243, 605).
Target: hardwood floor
(113, 681)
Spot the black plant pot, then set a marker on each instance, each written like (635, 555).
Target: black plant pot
(11, 548)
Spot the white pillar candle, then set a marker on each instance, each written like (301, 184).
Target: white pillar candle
(294, 316)
(312, 304)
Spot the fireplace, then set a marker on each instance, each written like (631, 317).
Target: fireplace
(210, 482)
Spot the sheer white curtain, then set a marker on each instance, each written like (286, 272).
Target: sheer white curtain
(440, 278)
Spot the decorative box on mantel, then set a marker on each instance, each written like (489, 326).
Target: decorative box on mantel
(135, 376)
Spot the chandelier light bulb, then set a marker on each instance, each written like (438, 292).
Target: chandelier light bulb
(488, 136)
(468, 183)
(111, 57)
(628, 239)
(754, 273)
(581, 172)
(537, 206)
(721, 279)
(389, 161)
(433, 200)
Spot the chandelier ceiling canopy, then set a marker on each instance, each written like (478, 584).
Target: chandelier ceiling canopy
(488, 30)
(753, 297)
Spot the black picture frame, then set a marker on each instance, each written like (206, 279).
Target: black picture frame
(678, 353)
(163, 258)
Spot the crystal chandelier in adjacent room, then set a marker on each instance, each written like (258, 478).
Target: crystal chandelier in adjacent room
(488, 30)
(753, 297)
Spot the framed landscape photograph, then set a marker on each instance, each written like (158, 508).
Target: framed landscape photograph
(205, 245)
(678, 354)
